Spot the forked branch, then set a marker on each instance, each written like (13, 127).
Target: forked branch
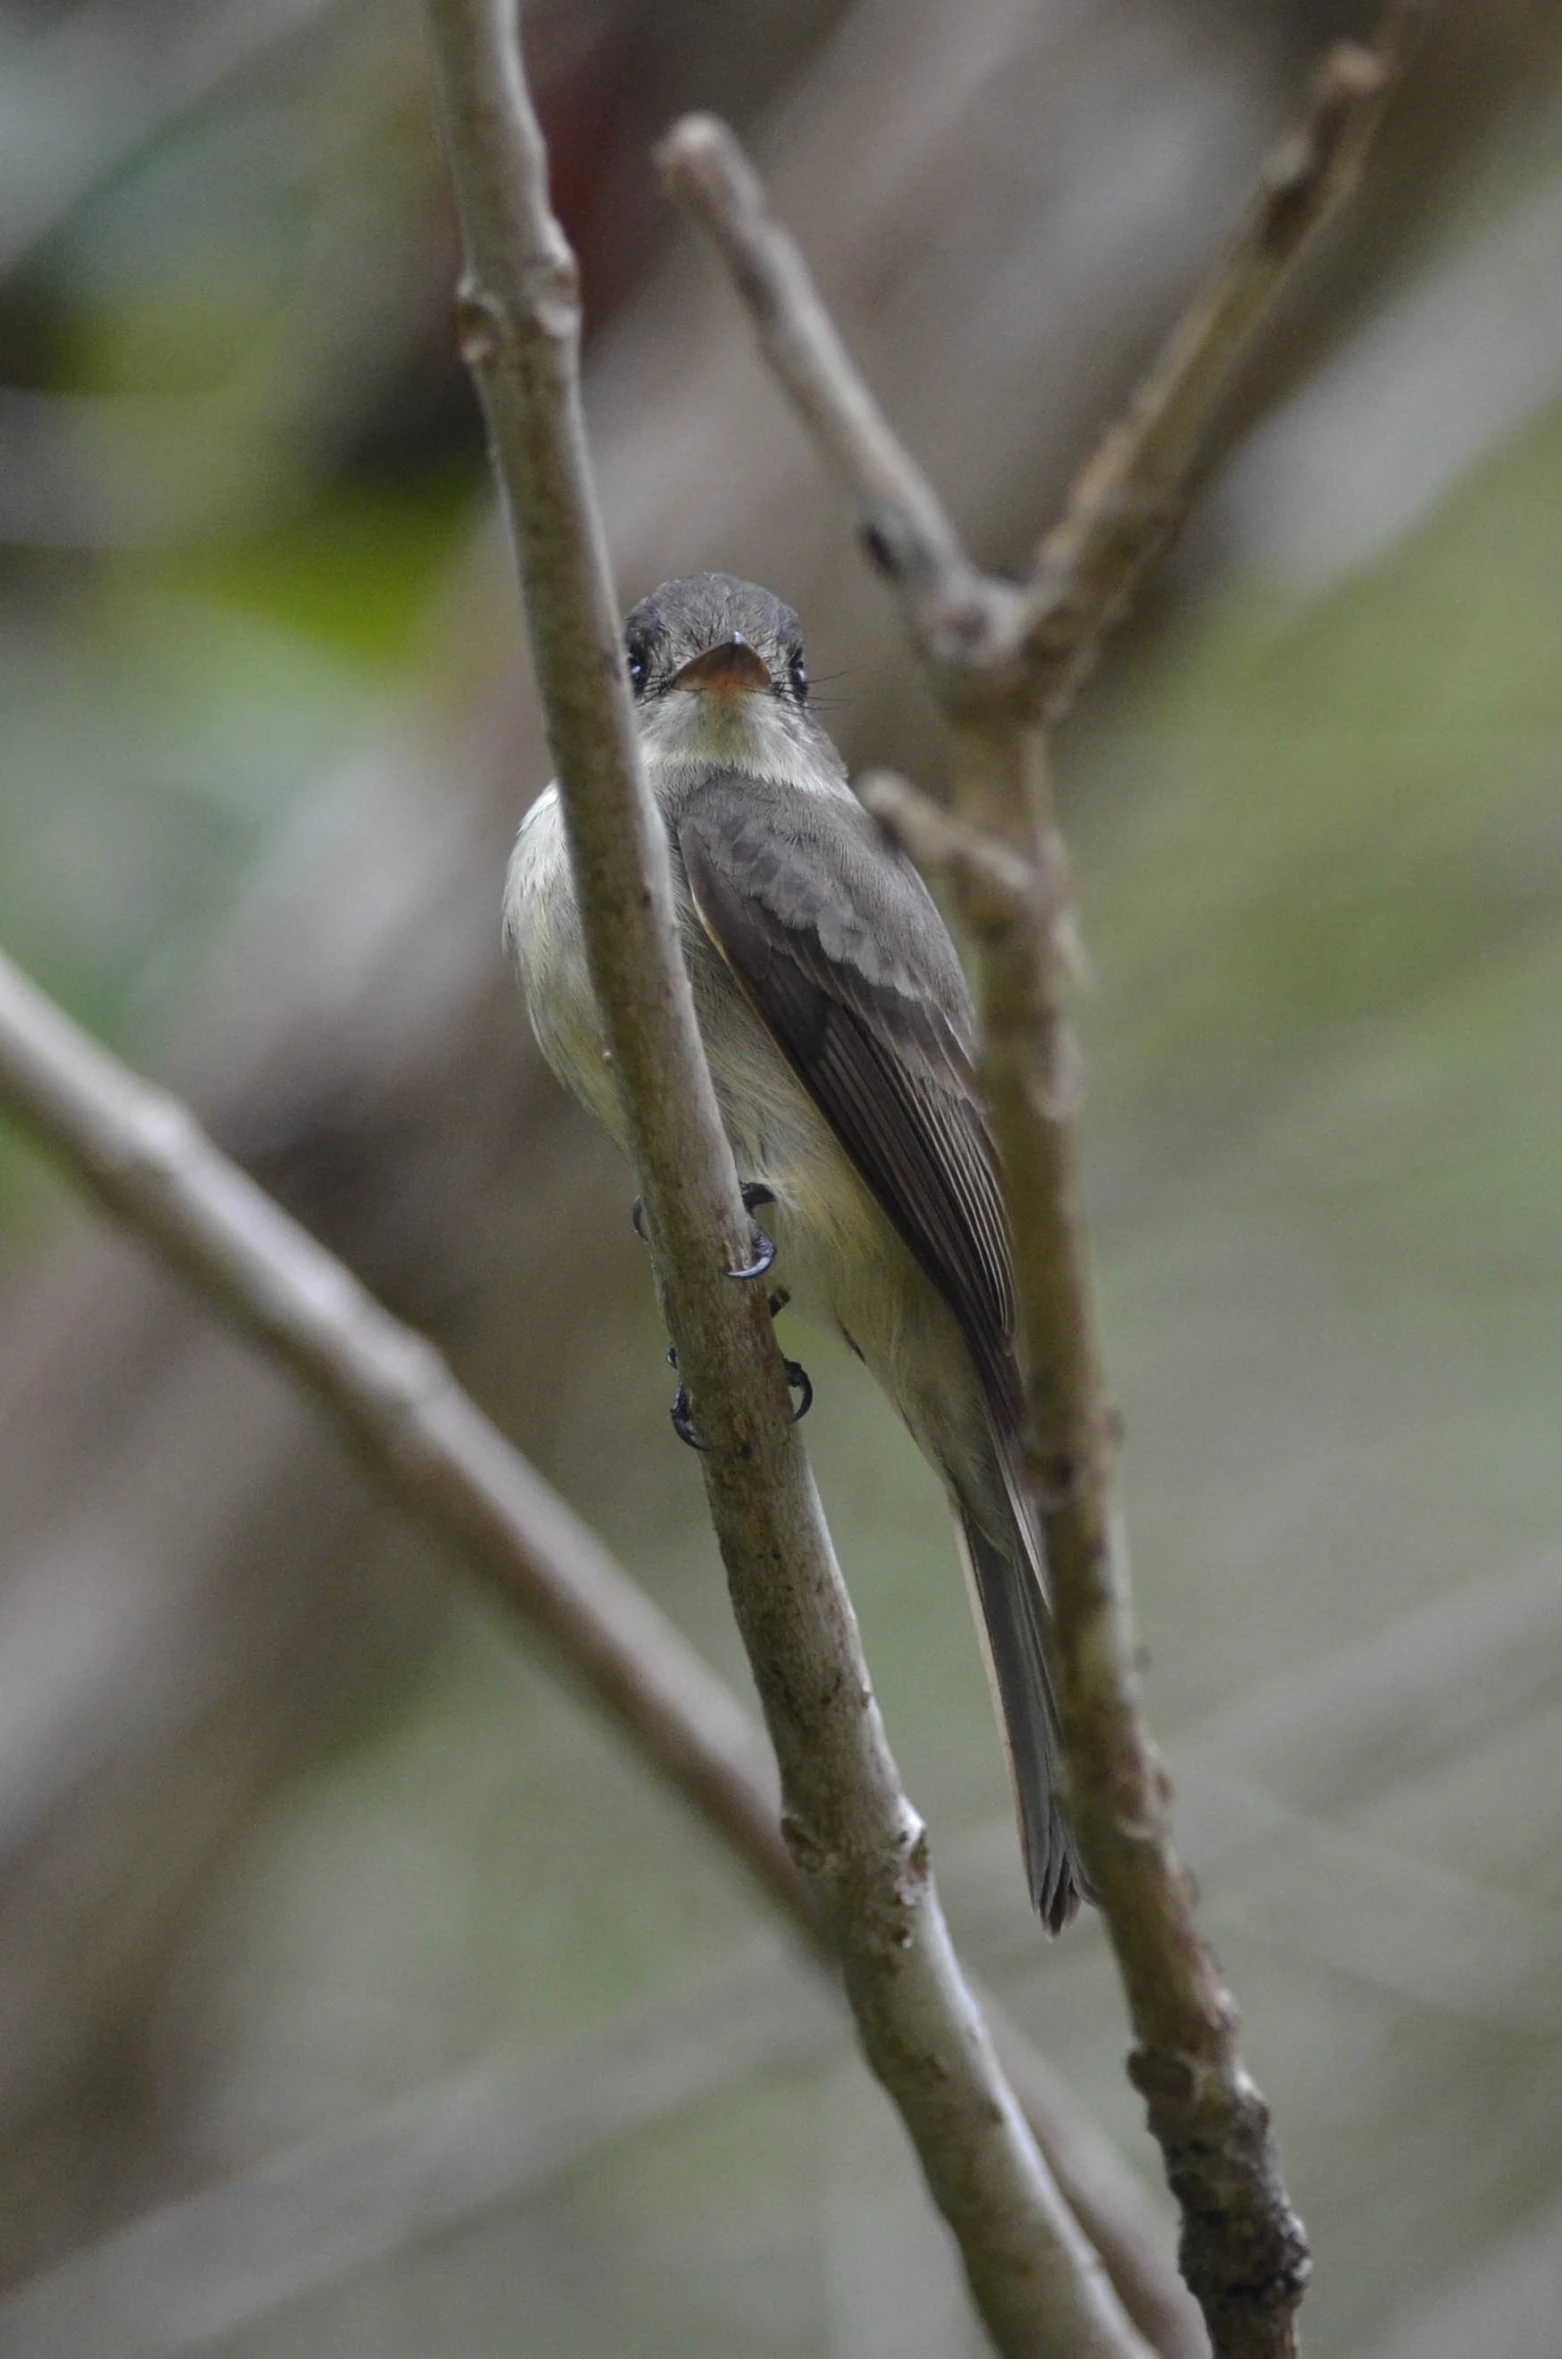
(1003, 657)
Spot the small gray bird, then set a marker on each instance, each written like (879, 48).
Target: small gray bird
(840, 1034)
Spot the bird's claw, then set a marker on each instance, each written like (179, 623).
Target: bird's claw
(764, 1255)
(797, 1378)
(683, 1424)
(755, 1193)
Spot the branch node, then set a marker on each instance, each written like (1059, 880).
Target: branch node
(552, 289)
(480, 324)
(804, 1846)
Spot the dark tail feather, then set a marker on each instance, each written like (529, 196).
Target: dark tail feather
(1013, 1610)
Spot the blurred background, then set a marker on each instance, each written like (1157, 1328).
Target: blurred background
(358, 1992)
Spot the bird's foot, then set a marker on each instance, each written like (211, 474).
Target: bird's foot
(798, 1381)
(683, 1423)
(755, 1193)
(797, 1376)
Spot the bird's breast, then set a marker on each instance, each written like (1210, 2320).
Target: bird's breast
(542, 931)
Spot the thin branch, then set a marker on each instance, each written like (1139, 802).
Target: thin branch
(848, 1823)
(1000, 659)
(397, 1406)
(1131, 496)
(955, 614)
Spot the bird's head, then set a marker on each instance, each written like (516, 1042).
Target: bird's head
(718, 677)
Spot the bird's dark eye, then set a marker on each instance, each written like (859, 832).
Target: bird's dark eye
(639, 670)
(797, 673)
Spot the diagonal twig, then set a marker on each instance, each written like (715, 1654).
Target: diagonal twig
(394, 1400)
(1001, 658)
(1129, 498)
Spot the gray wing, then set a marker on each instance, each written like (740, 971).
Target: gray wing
(841, 951)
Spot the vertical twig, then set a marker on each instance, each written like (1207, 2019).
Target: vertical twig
(1002, 659)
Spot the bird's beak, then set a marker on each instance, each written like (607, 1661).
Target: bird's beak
(731, 667)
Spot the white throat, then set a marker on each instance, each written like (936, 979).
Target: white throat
(759, 736)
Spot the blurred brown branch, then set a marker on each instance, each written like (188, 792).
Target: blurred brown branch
(862, 1848)
(145, 1157)
(1001, 658)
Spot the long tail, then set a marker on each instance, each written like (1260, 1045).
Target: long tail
(1006, 1582)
